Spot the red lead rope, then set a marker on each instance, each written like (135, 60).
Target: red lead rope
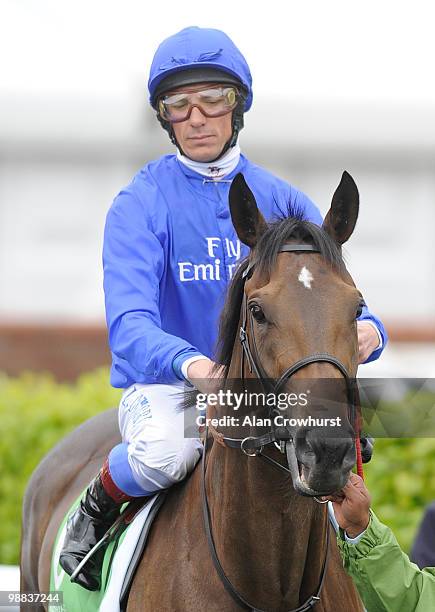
(359, 463)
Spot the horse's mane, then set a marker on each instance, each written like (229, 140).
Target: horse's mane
(293, 226)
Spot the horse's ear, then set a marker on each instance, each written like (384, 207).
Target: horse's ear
(248, 221)
(341, 218)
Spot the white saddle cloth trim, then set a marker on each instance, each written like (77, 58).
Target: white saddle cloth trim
(121, 560)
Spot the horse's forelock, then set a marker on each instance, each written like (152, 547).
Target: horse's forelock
(295, 227)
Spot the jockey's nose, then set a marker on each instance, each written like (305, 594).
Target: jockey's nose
(196, 117)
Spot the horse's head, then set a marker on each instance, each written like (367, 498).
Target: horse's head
(300, 308)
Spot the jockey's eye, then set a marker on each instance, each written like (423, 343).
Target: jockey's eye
(257, 313)
(360, 309)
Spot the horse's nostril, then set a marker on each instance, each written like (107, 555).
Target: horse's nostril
(323, 446)
(308, 448)
(350, 456)
(306, 453)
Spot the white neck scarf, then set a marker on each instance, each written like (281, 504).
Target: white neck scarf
(213, 170)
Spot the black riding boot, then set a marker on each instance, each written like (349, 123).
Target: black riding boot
(87, 525)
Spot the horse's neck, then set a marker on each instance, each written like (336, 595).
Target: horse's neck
(270, 540)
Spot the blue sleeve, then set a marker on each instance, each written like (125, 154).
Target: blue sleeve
(134, 261)
(366, 315)
(178, 361)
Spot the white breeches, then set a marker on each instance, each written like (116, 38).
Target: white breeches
(152, 424)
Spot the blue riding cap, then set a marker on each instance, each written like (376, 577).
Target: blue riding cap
(199, 49)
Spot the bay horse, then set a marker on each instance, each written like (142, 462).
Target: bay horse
(295, 302)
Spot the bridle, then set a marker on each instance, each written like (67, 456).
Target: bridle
(280, 436)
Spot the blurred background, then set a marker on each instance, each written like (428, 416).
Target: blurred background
(337, 85)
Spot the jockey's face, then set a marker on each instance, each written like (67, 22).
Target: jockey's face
(202, 138)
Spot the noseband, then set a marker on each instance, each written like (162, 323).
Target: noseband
(280, 436)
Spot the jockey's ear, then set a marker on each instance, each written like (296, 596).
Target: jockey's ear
(248, 221)
(341, 218)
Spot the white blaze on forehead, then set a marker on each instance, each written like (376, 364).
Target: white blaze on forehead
(305, 277)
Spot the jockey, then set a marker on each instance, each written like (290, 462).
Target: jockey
(169, 252)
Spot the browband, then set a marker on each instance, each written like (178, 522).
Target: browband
(285, 248)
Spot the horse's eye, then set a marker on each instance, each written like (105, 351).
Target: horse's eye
(360, 309)
(257, 313)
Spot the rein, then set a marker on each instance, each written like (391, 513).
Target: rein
(252, 446)
(237, 597)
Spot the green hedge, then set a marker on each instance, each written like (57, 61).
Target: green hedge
(36, 412)
(401, 482)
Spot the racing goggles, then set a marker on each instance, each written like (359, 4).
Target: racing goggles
(212, 101)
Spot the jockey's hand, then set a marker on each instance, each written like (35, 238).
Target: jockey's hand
(368, 340)
(204, 374)
(351, 506)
